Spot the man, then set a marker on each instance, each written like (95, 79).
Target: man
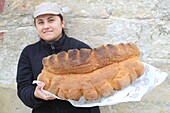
(48, 19)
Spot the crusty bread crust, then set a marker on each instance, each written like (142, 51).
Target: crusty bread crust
(91, 73)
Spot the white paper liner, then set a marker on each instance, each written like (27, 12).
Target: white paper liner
(150, 79)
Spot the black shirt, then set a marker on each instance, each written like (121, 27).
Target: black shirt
(29, 67)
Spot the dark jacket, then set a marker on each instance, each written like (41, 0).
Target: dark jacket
(29, 67)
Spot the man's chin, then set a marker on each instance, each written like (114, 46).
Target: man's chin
(49, 40)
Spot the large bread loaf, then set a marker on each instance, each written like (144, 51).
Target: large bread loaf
(91, 73)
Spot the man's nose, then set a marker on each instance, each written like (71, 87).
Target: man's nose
(46, 25)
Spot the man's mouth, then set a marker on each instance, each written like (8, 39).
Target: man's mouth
(48, 32)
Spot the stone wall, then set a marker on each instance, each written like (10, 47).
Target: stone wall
(96, 22)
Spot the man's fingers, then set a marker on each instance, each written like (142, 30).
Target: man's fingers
(48, 97)
(51, 97)
(40, 85)
(39, 94)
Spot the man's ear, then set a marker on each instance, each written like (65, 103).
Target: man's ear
(63, 23)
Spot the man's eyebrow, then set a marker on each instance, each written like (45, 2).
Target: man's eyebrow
(40, 19)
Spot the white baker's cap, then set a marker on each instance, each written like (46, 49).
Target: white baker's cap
(47, 8)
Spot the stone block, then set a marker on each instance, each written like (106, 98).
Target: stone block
(9, 101)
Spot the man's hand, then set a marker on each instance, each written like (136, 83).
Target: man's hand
(39, 94)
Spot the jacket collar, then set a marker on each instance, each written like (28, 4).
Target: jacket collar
(57, 43)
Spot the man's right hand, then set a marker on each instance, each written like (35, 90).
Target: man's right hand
(38, 93)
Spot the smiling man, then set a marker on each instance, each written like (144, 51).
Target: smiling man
(48, 20)
(49, 27)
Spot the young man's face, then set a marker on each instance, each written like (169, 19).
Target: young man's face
(49, 27)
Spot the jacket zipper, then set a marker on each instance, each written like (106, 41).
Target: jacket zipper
(53, 48)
